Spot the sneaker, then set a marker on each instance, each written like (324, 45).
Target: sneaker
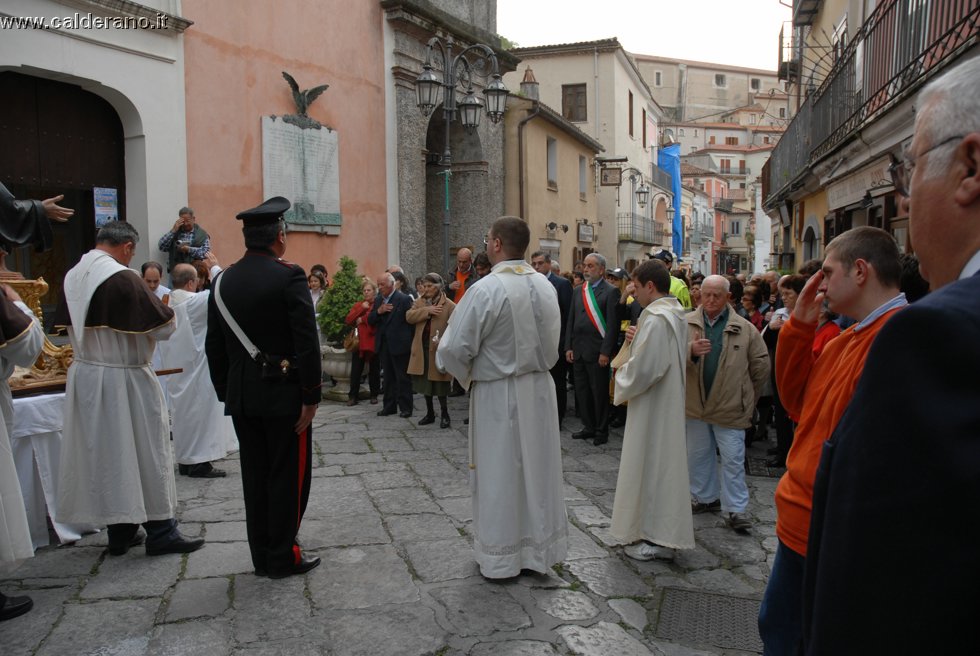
(643, 550)
(738, 522)
(698, 507)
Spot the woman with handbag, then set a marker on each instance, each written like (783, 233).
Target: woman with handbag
(430, 314)
(362, 350)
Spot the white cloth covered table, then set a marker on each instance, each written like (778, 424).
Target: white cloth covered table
(35, 440)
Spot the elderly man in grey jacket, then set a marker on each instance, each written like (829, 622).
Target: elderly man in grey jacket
(726, 369)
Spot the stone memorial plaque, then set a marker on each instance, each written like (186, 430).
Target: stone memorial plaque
(302, 165)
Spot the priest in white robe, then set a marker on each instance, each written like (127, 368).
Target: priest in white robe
(116, 464)
(652, 507)
(21, 339)
(501, 342)
(201, 431)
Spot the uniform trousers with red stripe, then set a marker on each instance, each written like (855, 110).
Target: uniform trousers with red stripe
(276, 472)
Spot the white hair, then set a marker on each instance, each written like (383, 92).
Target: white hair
(948, 107)
(716, 280)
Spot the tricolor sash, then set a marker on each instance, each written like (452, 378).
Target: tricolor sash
(592, 309)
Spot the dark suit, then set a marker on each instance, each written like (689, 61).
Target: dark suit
(897, 485)
(560, 371)
(270, 300)
(395, 335)
(582, 338)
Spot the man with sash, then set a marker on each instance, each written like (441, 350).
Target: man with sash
(501, 344)
(590, 340)
(116, 465)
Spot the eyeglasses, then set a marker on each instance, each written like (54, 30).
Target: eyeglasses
(901, 170)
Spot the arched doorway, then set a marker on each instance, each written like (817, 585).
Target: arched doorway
(468, 191)
(59, 139)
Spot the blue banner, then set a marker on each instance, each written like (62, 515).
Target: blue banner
(670, 161)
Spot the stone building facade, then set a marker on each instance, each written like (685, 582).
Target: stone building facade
(416, 143)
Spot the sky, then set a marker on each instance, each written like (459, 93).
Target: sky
(734, 32)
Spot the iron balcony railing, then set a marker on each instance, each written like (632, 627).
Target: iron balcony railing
(634, 227)
(660, 178)
(900, 46)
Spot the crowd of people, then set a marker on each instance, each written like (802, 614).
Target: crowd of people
(869, 383)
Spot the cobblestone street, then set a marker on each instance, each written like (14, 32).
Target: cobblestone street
(389, 514)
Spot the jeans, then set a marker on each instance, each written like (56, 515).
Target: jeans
(781, 613)
(702, 439)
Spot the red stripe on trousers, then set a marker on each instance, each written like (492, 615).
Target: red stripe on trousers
(297, 554)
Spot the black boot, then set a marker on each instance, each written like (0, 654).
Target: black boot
(430, 413)
(444, 422)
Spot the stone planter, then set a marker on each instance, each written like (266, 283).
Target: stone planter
(336, 363)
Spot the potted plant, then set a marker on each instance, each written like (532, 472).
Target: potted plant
(344, 291)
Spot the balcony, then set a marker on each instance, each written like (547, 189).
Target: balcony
(894, 52)
(634, 227)
(660, 178)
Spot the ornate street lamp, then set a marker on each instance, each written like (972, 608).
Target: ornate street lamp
(642, 194)
(458, 70)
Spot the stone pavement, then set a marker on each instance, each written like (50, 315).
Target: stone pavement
(389, 514)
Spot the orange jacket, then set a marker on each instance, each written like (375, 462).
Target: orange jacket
(817, 391)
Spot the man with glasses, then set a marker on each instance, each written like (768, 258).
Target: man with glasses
(541, 261)
(897, 479)
(460, 279)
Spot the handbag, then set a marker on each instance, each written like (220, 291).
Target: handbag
(352, 341)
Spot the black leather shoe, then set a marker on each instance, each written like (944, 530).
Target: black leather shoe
(600, 440)
(177, 545)
(583, 435)
(444, 422)
(15, 607)
(404, 415)
(121, 549)
(261, 571)
(302, 567)
(428, 419)
(385, 413)
(206, 470)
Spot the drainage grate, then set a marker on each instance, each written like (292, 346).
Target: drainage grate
(710, 619)
(757, 467)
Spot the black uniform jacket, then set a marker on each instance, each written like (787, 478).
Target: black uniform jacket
(270, 299)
